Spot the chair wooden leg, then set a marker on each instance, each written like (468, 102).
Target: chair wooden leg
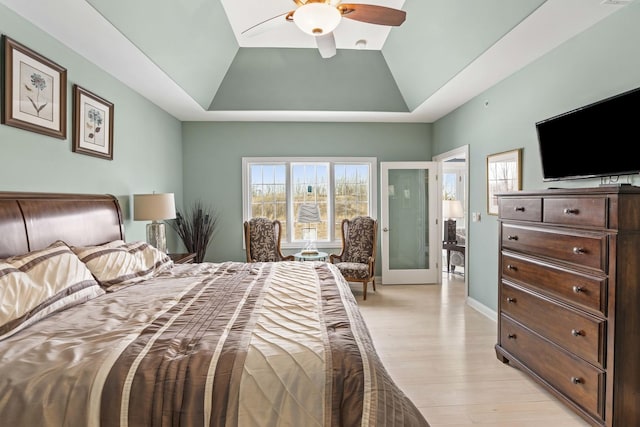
(364, 287)
(373, 282)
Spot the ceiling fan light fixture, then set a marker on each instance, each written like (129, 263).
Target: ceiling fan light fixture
(317, 18)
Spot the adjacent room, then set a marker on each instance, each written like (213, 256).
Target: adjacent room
(290, 212)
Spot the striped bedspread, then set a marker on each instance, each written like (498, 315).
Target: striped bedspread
(229, 344)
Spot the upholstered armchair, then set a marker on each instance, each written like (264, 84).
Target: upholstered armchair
(357, 260)
(262, 240)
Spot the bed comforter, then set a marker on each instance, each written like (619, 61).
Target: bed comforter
(228, 344)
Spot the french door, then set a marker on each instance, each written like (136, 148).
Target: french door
(410, 251)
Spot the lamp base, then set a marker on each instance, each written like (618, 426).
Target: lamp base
(156, 235)
(310, 249)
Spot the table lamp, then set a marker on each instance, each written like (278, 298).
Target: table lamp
(155, 207)
(309, 213)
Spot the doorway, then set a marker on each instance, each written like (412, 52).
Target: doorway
(453, 168)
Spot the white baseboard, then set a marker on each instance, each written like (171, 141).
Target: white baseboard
(482, 309)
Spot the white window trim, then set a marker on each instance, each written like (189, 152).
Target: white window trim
(337, 240)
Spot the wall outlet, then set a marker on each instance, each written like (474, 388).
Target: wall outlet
(475, 216)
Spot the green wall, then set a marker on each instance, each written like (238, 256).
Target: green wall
(147, 154)
(601, 62)
(213, 160)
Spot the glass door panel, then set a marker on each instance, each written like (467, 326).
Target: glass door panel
(409, 233)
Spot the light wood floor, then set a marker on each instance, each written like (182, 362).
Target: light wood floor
(440, 352)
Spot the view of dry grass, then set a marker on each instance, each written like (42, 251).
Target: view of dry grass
(351, 199)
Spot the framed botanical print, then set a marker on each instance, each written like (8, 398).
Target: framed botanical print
(92, 124)
(35, 91)
(504, 173)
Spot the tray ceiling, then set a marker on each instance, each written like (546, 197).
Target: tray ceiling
(191, 58)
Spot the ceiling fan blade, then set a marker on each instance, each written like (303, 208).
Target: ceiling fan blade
(326, 45)
(303, 2)
(266, 25)
(373, 14)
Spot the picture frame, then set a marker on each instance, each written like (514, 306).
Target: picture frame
(504, 173)
(92, 124)
(34, 91)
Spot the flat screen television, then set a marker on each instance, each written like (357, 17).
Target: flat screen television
(596, 140)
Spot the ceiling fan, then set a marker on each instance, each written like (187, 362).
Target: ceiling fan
(320, 17)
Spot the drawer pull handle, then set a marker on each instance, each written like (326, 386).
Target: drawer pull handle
(576, 332)
(576, 380)
(512, 267)
(511, 300)
(578, 289)
(519, 208)
(512, 237)
(571, 211)
(511, 336)
(579, 251)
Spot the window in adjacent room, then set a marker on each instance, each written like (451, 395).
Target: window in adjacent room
(339, 187)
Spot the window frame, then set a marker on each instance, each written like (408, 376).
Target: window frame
(334, 240)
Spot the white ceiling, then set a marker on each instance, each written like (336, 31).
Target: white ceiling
(82, 28)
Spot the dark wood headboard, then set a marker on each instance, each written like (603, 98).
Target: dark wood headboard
(31, 221)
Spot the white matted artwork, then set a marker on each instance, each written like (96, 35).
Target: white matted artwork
(35, 91)
(93, 124)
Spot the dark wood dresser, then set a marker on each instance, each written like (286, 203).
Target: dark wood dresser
(569, 296)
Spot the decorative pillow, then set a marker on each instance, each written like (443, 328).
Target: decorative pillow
(116, 264)
(39, 283)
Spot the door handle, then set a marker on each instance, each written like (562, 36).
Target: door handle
(385, 229)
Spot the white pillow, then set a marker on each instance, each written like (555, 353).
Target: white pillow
(116, 264)
(39, 283)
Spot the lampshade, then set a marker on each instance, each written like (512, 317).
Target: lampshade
(153, 207)
(452, 209)
(308, 213)
(317, 18)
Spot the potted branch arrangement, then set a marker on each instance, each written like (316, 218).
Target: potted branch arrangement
(195, 228)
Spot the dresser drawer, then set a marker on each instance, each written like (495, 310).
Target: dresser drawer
(576, 379)
(587, 211)
(576, 331)
(583, 248)
(585, 291)
(521, 208)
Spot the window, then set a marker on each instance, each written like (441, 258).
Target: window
(453, 180)
(351, 193)
(276, 188)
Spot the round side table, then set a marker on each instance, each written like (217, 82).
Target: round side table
(320, 256)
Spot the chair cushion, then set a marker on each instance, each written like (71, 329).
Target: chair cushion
(353, 270)
(360, 240)
(263, 240)
(461, 236)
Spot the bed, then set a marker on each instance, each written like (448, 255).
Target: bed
(121, 336)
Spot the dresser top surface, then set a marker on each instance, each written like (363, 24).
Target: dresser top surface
(584, 191)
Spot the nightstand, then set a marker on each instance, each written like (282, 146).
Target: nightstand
(186, 258)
